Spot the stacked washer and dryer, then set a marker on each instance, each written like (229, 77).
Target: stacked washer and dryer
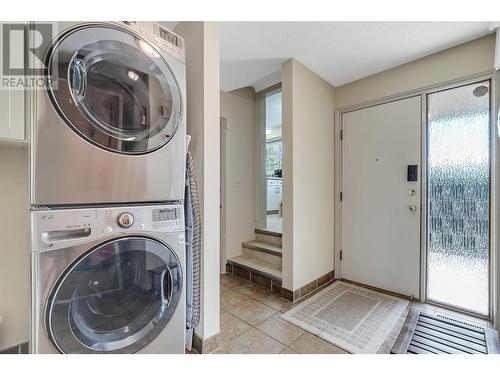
(108, 155)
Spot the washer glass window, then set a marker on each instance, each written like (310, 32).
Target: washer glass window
(114, 89)
(116, 299)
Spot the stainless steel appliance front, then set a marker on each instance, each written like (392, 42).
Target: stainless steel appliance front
(108, 280)
(111, 126)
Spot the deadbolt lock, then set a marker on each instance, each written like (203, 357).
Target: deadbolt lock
(412, 192)
(412, 207)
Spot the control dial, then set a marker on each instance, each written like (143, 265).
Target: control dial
(125, 220)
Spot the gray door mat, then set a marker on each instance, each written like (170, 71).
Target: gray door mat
(425, 333)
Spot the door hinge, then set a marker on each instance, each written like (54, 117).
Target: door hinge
(340, 255)
(341, 196)
(341, 134)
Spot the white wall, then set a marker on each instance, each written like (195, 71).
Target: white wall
(203, 114)
(238, 107)
(308, 178)
(454, 63)
(14, 252)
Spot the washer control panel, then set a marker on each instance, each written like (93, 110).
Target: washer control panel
(53, 229)
(168, 218)
(125, 220)
(160, 218)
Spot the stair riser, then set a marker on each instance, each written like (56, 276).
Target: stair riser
(268, 238)
(263, 248)
(256, 278)
(269, 258)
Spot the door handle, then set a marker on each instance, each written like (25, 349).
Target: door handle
(166, 286)
(79, 80)
(412, 207)
(64, 235)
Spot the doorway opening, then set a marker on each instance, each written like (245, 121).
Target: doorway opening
(458, 197)
(272, 166)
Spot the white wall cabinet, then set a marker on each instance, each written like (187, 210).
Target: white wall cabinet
(12, 115)
(12, 108)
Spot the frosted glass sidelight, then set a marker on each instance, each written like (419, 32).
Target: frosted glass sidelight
(458, 197)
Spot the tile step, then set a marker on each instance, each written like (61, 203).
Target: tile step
(268, 232)
(257, 266)
(263, 247)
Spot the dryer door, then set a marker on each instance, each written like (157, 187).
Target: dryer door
(114, 89)
(116, 298)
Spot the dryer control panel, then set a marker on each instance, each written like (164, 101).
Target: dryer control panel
(160, 36)
(59, 228)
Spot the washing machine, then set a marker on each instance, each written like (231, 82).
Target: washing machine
(110, 126)
(108, 280)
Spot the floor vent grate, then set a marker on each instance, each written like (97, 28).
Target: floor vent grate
(438, 334)
(458, 321)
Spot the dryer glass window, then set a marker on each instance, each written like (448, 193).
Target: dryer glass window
(116, 299)
(115, 89)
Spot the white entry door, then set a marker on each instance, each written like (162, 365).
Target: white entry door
(380, 207)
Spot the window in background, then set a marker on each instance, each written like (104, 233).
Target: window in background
(274, 156)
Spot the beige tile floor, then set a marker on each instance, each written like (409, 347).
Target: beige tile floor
(250, 323)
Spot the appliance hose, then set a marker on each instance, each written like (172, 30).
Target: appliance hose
(193, 249)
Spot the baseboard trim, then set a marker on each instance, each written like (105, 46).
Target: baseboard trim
(16, 349)
(206, 346)
(310, 288)
(375, 289)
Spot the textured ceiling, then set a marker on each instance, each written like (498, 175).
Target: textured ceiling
(339, 52)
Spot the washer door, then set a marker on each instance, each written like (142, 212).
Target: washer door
(114, 89)
(116, 298)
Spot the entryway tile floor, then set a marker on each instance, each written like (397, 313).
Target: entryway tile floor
(250, 323)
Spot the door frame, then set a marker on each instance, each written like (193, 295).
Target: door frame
(224, 156)
(261, 180)
(494, 261)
